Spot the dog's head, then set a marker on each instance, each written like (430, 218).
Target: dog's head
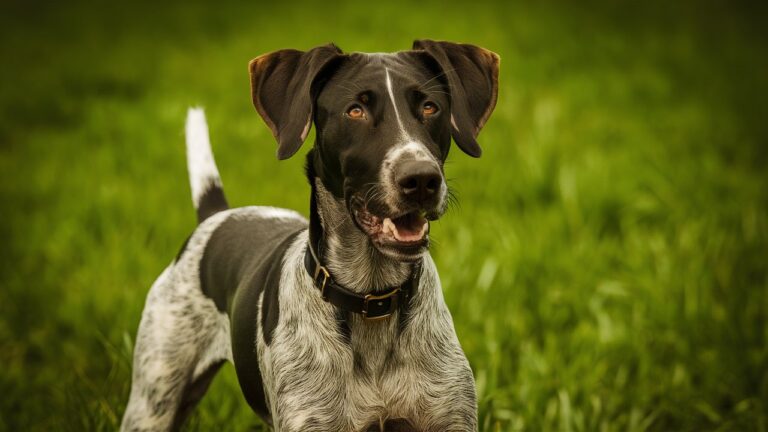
(384, 124)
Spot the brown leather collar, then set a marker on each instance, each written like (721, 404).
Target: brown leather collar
(370, 306)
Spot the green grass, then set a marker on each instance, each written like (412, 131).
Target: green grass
(607, 268)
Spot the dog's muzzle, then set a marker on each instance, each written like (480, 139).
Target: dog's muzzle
(399, 223)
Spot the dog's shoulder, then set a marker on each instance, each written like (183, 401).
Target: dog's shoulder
(242, 247)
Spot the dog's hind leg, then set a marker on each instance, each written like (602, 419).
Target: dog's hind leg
(193, 392)
(181, 343)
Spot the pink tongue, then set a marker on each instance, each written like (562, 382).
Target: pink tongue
(409, 237)
(410, 228)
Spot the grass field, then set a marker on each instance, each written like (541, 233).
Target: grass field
(607, 268)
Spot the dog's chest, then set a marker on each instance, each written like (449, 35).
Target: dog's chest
(327, 379)
(380, 372)
(374, 346)
(317, 377)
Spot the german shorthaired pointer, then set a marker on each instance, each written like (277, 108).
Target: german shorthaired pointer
(337, 323)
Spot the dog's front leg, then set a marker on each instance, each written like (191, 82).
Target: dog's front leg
(306, 412)
(306, 372)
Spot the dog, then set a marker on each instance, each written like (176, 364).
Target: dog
(336, 323)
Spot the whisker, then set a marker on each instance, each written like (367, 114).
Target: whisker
(436, 76)
(452, 199)
(351, 92)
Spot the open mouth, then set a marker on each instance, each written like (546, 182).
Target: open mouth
(407, 232)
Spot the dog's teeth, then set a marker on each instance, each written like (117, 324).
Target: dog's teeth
(389, 227)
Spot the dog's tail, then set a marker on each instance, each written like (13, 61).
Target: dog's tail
(207, 192)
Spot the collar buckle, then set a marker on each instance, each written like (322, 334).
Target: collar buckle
(326, 275)
(377, 307)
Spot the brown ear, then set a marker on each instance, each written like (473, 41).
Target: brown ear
(472, 74)
(281, 88)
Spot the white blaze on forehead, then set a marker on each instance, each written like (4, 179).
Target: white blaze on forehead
(414, 149)
(394, 104)
(407, 148)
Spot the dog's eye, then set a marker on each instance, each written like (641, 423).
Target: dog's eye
(355, 112)
(428, 109)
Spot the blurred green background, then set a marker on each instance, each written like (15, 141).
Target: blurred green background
(607, 265)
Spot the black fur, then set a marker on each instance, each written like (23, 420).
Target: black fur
(234, 272)
(212, 202)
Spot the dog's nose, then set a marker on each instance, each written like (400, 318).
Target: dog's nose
(419, 181)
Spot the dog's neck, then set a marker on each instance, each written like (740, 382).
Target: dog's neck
(346, 251)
